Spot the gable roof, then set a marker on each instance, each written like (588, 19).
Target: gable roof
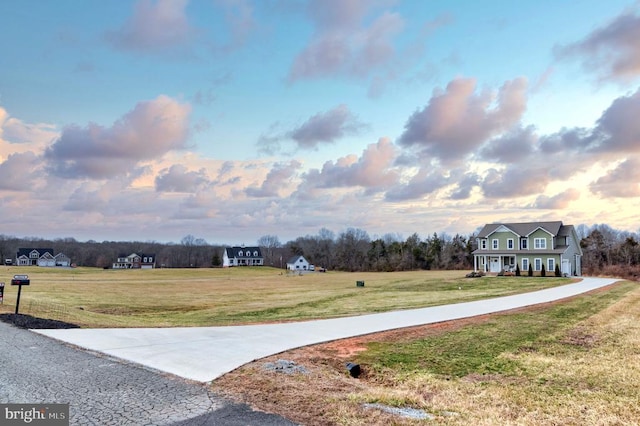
(295, 259)
(234, 252)
(27, 251)
(522, 229)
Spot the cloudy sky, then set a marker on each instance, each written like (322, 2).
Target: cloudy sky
(233, 119)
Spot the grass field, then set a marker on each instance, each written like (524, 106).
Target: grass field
(92, 297)
(575, 362)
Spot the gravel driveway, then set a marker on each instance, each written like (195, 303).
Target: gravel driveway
(104, 391)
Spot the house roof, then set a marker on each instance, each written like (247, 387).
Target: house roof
(295, 259)
(137, 254)
(523, 229)
(41, 251)
(235, 251)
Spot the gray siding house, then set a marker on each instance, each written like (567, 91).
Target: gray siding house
(503, 246)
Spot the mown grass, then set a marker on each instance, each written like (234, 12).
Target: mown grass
(574, 362)
(203, 297)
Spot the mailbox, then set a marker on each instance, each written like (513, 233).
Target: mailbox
(20, 280)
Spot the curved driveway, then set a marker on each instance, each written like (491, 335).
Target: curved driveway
(205, 353)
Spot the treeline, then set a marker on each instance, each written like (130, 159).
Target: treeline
(606, 251)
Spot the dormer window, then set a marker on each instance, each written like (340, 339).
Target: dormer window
(240, 253)
(255, 253)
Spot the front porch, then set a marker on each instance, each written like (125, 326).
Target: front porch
(494, 263)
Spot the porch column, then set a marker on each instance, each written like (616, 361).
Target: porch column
(475, 263)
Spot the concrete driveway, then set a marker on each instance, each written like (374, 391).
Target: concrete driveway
(205, 353)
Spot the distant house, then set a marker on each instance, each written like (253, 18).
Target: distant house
(40, 257)
(242, 256)
(298, 263)
(135, 261)
(503, 246)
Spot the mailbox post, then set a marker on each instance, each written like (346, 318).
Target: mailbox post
(2, 293)
(19, 280)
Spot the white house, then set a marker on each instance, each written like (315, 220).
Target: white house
(298, 263)
(242, 256)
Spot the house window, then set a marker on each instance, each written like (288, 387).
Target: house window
(483, 244)
(255, 253)
(551, 264)
(537, 264)
(240, 253)
(524, 244)
(525, 264)
(510, 244)
(540, 243)
(494, 244)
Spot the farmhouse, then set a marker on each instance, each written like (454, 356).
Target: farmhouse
(40, 257)
(242, 256)
(503, 246)
(135, 261)
(298, 263)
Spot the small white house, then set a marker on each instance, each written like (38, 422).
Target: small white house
(298, 263)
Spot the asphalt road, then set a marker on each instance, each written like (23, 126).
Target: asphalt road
(104, 391)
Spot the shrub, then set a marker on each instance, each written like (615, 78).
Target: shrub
(530, 272)
(517, 270)
(557, 271)
(543, 272)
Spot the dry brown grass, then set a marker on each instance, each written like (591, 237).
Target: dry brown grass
(586, 375)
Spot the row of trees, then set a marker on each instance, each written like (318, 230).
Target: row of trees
(606, 251)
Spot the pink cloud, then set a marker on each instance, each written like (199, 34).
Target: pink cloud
(154, 26)
(343, 44)
(178, 179)
(150, 130)
(326, 127)
(623, 181)
(613, 50)
(373, 170)
(276, 180)
(458, 120)
(558, 201)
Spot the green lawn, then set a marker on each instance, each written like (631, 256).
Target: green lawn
(202, 297)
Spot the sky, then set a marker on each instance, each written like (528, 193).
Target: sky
(230, 120)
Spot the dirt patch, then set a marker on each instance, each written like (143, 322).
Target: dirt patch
(580, 337)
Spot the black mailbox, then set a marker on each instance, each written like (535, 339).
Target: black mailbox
(20, 280)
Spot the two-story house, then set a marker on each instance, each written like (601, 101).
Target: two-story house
(503, 246)
(40, 257)
(135, 261)
(242, 256)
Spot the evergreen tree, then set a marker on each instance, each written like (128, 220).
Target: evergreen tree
(517, 270)
(530, 272)
(558, 274)
(543, 273)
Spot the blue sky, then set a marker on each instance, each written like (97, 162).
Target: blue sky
(234, 119)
